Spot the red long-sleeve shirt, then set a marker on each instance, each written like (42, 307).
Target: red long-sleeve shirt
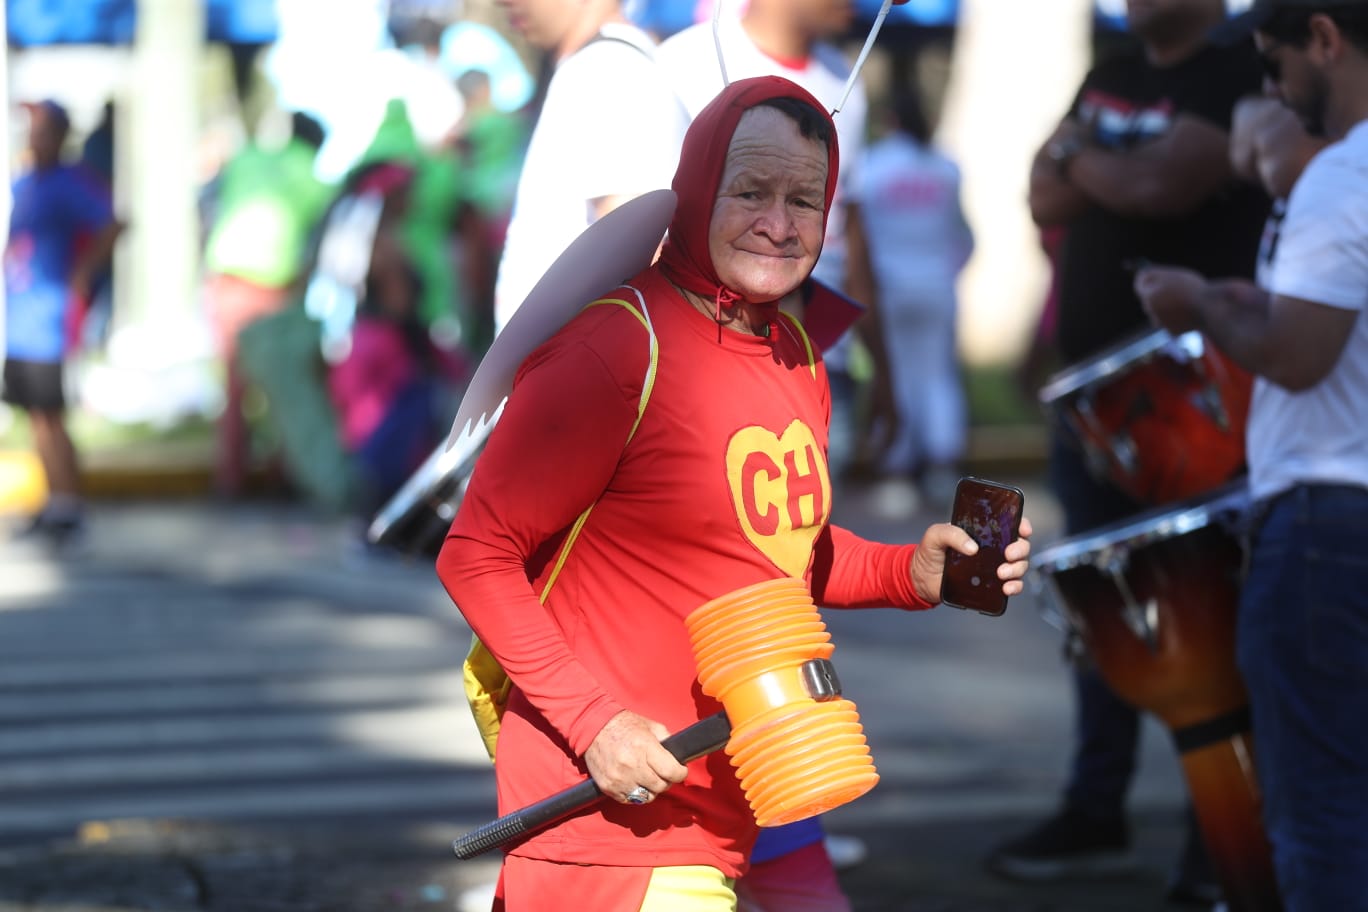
(723, 484)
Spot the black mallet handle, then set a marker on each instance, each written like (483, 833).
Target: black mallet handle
(703, 737)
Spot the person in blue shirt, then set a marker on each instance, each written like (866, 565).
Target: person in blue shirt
(62, 230)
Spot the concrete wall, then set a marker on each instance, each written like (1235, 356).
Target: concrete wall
(1015, 69)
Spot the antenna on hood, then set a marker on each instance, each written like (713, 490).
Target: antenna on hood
(854, 72)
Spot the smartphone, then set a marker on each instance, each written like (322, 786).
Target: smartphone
(990, 512)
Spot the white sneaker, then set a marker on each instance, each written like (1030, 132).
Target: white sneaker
(893, 499)
(845, 851)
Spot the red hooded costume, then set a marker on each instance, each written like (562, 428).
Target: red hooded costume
(705, 474)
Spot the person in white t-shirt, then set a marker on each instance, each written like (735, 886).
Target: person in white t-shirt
(1302, 640)
(605, 83)
(790, 38)
(919, 240)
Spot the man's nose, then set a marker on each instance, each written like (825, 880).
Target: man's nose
(775, 221)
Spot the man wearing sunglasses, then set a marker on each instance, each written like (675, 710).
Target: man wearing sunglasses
(1303, 622)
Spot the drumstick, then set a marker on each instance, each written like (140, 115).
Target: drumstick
(703, 737)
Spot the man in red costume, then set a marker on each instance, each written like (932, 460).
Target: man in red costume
(627, 483)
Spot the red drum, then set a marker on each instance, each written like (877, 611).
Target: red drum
(1160, 416)
(1153, 599)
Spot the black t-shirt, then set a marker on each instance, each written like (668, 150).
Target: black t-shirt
(1128, 101)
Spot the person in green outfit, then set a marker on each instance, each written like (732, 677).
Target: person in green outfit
(268, 203)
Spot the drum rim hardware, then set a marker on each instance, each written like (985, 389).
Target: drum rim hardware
(1143, 620)
(1168, 521)
(1211, 401)
(1188, 346)
(1089, 429)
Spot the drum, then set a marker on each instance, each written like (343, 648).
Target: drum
(1153, 599)
(1160, 416)
(416, 519)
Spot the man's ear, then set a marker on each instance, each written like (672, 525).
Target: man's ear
(1326, 44)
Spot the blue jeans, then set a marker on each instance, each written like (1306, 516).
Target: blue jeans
(396, 448)
(1303, 649)
(1107, 728)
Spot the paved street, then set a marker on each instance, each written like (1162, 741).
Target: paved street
(230, 708)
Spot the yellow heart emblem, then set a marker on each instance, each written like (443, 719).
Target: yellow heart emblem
(781, 492)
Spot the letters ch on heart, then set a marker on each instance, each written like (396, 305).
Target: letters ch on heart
(781, 492)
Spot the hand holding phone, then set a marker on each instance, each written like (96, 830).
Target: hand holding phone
(991, 513)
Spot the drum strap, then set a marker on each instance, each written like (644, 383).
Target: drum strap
(486, 683)
(1212, 731)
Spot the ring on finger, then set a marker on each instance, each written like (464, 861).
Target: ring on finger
(639, 795)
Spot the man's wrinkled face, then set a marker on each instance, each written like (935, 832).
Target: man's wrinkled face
(769, 216)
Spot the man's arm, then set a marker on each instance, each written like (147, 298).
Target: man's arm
(962, 230)
(545, 430)
(93, 258)
(1166, 177)
(1293, 342)
(861, 286)
(1053, 198)
(851, 572)
(1268, 144)
(860, 283)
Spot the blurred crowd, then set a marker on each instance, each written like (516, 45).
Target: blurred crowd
(360, 307)
(347, 312)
